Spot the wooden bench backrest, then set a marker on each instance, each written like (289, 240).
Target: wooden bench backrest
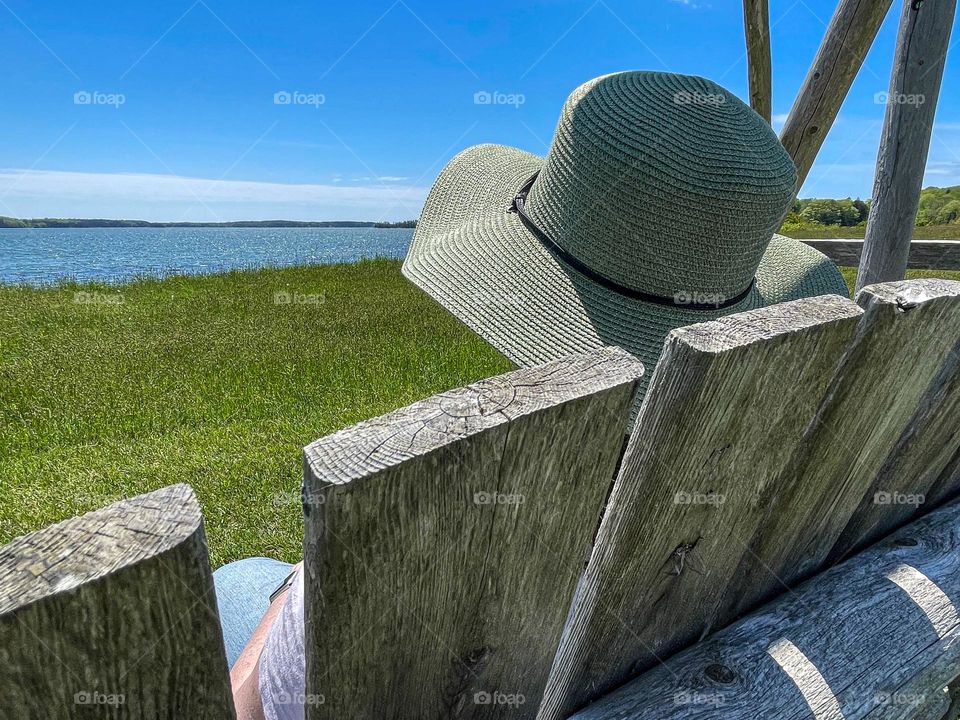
(767, 447)
(113, 614)
(471, 556)
(444, 541)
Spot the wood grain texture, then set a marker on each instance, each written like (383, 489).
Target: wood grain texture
(756, 21)
(113, 615)
(907, 126)
(848, 38)
(726, 404)
(444, 541)
(920, 407)
(875, 637)
(924, 254)
(947, 484)
(870, 424)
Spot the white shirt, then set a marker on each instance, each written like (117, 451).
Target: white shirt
(283, 662)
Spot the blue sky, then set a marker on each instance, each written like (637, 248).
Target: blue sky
(166, 111)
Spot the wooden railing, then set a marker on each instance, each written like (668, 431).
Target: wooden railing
(924, 254)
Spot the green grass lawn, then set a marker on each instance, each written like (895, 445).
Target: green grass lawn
(208, 381)
(850, 275)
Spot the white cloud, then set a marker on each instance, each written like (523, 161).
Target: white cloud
(777, 121)
(45, 193)
(947, 168)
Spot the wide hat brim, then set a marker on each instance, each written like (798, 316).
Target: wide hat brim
(484, 265)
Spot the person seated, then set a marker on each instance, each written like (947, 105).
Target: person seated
(655, 208)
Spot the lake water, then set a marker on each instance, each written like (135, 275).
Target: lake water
(43, 255)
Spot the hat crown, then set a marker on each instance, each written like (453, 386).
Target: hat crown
(663, 183)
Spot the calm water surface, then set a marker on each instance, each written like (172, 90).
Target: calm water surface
(43, 255)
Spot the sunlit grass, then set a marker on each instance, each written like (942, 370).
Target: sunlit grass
(850, 275)
(206, 380)
(924, 232)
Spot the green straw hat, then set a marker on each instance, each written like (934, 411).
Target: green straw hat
(655, 208)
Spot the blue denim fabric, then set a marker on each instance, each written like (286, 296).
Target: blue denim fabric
(243, 596)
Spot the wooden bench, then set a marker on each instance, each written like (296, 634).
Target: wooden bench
(775, 539)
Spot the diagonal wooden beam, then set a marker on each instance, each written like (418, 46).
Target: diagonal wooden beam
(848, 38)
(911, 105)
(756, 21)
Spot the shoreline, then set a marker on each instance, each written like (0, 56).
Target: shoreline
(74, 283)
(270, 224)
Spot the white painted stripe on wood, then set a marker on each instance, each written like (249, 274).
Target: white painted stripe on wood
(928, 596)
(811, 683)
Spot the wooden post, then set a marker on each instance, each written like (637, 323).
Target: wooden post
(922, 317)
(756, 21)
(114, 615)
(851, 32)
(691, 486)
(851, 419)
(852, 478)
(444, 541)
(907, 126)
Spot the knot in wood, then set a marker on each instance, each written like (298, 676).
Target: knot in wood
(477, 656)
(720, 673)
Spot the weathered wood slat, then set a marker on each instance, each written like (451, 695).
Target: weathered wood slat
(921, 321)
(726, 405)
(875, 637)
(756, 21)
(907, 126)
(848, 38)
(924, 254)
(869, 415)
(947, 485)
(113, 615)
(444, 541)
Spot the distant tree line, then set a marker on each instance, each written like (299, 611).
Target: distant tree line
(401, 224)
(938, 206)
